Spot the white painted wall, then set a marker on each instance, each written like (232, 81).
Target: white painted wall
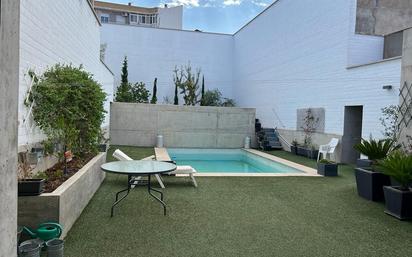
(155, 52)
(171, 17)
(287, 60)
(64, 31)
(294, 55)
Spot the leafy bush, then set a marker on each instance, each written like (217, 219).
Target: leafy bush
(68, 106)
(214, 98)
(376, 149)
(398, 165)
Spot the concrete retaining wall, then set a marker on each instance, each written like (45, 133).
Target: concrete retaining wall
(181, 126)
(9, 79)
(66, 203)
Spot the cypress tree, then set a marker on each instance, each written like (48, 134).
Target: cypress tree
(176, 100)
(123, 92)
(154, 97)
(202, 102)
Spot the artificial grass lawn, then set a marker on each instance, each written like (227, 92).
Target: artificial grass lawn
(239, 216)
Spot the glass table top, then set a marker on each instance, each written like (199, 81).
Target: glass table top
(138, 167)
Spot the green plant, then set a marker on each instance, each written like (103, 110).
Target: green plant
(202, 94)
(214, 98)
(389, 121)
(68, 106)
(41, 175)
(188, 83)
(124, 90)
(139, 93)
(376, 149)
(176, 98)
(295, 142)
(398, 165)
(310, 123)
(325, 161)
(154, 95)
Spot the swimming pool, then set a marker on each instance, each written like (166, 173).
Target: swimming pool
(228, 161)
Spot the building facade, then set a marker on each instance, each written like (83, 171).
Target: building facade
(156, 17)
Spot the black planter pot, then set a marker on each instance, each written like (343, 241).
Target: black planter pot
(364, 164)
(294, 149)
(398, 203)
(102, 148)
(29, 187)
(312, 154)
(302, 151)
(370, 184)
(328, 169)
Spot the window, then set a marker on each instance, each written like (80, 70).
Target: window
(104, 19)
(133, 18)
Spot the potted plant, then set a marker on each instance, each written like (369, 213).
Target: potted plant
(294, 147)
(370, 182)
(398, 199)
(327, 168)
(26, 184)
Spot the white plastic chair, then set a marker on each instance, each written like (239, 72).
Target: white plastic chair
(328, 149)
(119, 155)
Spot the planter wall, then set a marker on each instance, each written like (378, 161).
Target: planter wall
(370, 184)
(66, 203)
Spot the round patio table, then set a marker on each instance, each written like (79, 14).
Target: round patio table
(138, 168)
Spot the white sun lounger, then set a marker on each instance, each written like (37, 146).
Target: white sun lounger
(119, 155)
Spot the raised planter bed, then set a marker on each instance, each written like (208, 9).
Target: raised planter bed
(328, 169)
(65, 204)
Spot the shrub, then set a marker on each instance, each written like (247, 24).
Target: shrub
(68, 106)
(214, 98)
(139, 93)
(376, 149)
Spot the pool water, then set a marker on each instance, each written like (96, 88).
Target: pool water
(227, 161)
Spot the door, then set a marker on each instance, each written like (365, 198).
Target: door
(352, 133)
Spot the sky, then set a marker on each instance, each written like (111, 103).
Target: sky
(221, 16)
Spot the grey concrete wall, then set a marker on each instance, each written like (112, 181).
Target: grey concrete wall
(66, 203)
(9, 81)
(181, 126)
(381, 17)
(317, 138)
(393, 45)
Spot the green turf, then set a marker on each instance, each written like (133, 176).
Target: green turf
(278, 216)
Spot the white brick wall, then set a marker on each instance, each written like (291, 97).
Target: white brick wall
(155, 52)
(295, 55)
(64, 31)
